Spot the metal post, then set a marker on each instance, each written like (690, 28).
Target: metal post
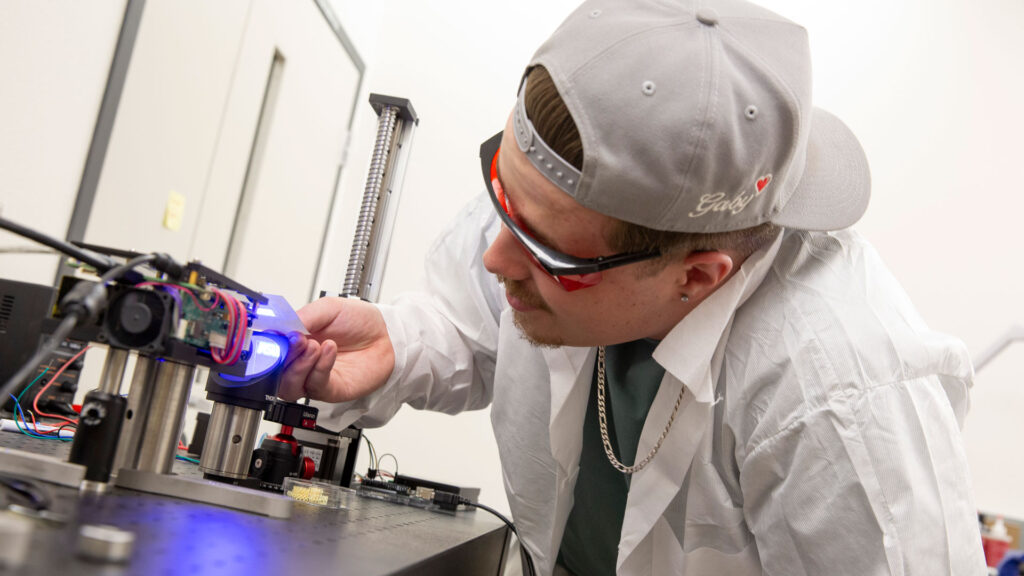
(139, 396)
(230, 436)
(395, 123)
(162, 429)
(113, 370)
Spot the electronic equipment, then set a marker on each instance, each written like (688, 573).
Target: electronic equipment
(417, 492)
(174, 317)
(22, 309)
(333, 453)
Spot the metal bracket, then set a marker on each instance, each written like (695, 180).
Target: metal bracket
(207, 492)
(41, 467)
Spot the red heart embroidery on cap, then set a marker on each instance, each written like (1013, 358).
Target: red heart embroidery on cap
(763, 182)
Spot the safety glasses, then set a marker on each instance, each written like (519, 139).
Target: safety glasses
(570, 272)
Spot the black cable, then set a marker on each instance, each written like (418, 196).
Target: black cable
(113, 273)
(97, 261)
(526, 553)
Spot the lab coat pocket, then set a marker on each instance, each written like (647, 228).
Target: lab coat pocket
(712, 520)
(715, 538)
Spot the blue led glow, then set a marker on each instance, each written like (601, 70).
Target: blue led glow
(268, 352)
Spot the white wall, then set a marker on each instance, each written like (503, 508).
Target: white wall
(931, 88)
(54, 60)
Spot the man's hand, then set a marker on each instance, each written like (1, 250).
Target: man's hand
(347, 354)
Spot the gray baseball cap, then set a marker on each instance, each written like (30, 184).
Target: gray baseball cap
(696, 116)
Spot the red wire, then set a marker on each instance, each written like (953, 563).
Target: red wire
(236, 341)
(35, 401)
(243, 323)
(35, 425)
(223, 356)
(214, 353)
(238, 322)
(242, 327)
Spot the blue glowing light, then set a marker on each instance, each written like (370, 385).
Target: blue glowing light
(268, 352)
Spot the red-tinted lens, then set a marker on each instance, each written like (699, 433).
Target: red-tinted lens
(569, 282)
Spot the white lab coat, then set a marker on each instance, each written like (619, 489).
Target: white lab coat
(819, 434)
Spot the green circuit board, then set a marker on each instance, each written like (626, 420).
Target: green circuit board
(201, 326)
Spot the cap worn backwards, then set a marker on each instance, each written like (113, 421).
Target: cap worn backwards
(696, 116)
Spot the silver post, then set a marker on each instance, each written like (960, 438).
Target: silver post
(355, 274)
(162, 429)
(230, 436)
(139, 396)
(113, 370)
(395, 123)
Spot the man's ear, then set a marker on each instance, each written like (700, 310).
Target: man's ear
(702, 273)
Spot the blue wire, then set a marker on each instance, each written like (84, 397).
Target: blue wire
(30, 384)
(26, 430)
(17, 410)
(17, 403)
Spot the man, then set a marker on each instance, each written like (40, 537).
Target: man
(686, 375)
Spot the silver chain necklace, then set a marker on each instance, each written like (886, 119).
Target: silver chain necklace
(604, 423)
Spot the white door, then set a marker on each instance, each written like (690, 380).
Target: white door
(228, 138)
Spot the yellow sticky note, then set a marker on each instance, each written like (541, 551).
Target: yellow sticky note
(174, 212)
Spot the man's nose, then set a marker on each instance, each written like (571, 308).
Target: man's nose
(505, 257)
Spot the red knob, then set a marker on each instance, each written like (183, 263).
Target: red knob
(307, 469)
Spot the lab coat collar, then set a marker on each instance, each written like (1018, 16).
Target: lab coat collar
(687, 350)
(687, 354)
(571, 371)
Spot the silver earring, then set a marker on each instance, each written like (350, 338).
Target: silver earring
(685, 298)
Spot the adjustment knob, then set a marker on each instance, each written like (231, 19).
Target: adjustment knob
(308, 468)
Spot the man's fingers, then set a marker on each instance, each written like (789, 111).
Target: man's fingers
(319, 378)
(293, 381)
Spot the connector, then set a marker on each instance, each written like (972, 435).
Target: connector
(164, 263)
(85, 301)
(447, 500)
